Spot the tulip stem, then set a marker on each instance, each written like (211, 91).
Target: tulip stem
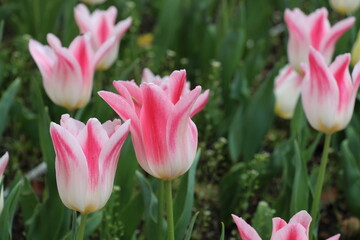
(81, 232)
(169, 207)
(319, 185)
(74, 225)
(160, 210)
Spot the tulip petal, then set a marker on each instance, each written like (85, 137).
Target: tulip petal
(82, 18)
(328, 43)
(83, 53)
(340, 71)
(291, 232)
(109, 156)
(91, 139)
(320, 25)
(302, 218)
(155, 111)
(335, 237)
(71, 168)
(121, 27)
(111, 126)
(277, 224)
(44, 57)
(200, 103)
(72, 125)
(245, 230)
(177, 85)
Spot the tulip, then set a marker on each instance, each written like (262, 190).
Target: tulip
(297, 228)
(163, 134)
(102, 26)
(67, 73)
(287, 91)
(312, 30)
(3, 162)
(328, 93)
(345, 6)
(86, 160)
(355, 52)
(93, 2)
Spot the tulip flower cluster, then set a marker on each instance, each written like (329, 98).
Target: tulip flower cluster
(68, 72)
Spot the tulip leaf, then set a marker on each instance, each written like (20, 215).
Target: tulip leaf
(7, 215)
(184, 200)
(351, 178)
(300, 189)
(191, 227)
(5, 103)
(131, 215)
(150, 205)
(28, 201)
(93, 222)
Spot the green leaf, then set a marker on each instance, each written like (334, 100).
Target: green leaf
(131, 215)
(7, 215)
(191, 227)
(222, 236)
(262, 221)
(5, 103)
(28, 201)
(150, 206)
(184, 200)
(351, 178)
(93, 222)
(300, 189)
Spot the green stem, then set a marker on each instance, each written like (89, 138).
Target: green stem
(319, 185)
(74, 226)
(160, 210)
(81, 232)
(169, 207)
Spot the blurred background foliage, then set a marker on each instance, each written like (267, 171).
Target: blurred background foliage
(252, 163)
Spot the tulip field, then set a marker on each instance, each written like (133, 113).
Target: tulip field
(180, 119)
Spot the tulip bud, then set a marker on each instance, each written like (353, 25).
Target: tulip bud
(328, 93)
(287, 92)
(102, 26)
(163, 134)
(355, 52)
(67, 73)
(312, 30)
(86, 160)
(345, 6)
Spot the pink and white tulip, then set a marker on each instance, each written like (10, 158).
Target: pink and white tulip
(67, 73)
(296, 229)
(287, 92)
(329, 92)
(86, 160)
(345, 6)
(164, 136)
(3, 163)
(312, 30)
(102, 26)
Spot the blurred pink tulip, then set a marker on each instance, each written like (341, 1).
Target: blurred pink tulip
(3, 162)
(164, 136)
(102, 26)
(67, 72)
(287, 91)
(296, 229)
(312, 30)
(86, 160)
(328, 93)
